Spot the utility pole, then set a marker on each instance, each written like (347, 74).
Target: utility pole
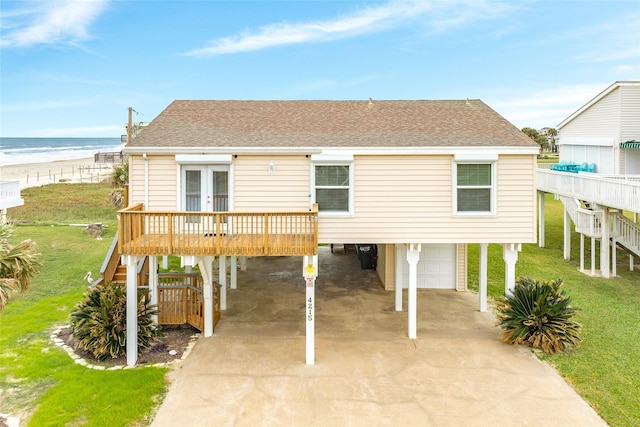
(130, 125)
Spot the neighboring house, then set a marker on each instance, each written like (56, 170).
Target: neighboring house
(419, 179)
(10, 197)
(604, 132)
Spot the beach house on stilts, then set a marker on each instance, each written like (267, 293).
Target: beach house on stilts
(416, 181)
(598, 178)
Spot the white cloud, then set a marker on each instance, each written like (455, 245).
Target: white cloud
(52, 22)
(547, 107)
(442, 15)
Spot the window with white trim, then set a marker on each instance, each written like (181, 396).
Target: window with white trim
(333, 187)
(474, 188)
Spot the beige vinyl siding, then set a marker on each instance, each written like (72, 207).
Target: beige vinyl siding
(401, 199)
(601, 120)
(255, 189)
(630, 112)
(136, 180)
(162, 182)
(461, 271)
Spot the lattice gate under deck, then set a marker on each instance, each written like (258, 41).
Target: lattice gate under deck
(181, 300)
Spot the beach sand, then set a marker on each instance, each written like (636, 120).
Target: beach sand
(71, 171)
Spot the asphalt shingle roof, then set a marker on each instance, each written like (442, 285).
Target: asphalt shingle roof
(329, 124)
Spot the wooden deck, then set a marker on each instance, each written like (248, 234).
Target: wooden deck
(217, 233)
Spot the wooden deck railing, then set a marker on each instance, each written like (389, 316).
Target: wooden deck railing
(143, 232)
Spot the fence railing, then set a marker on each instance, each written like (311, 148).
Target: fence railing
(217, 233)
(620, 192)
(10, 194)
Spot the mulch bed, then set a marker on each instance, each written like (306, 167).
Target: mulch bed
(171, 346)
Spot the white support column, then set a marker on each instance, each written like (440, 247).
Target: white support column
(310, 272)
(413, 255)
(398, 289)
(593, 256)
(510, 256)
(153, 284)
(541, 219)
(581, 252)
(243, 263)
(482, 277)
(604, 245)
(567, 234)
(234, 272)
(165, 262)
(132, 308)
(222, 281)
(614, 257)
(206, 270)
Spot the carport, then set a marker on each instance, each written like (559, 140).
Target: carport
(457, 372)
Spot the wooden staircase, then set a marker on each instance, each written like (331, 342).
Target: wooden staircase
(180, 298)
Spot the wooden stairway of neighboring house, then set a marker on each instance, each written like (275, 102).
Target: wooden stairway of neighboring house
(625, 232)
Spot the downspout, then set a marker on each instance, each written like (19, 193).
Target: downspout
(146, 180)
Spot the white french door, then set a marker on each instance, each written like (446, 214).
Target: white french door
(205, 188)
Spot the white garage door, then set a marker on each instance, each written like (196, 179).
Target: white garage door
(436, 268)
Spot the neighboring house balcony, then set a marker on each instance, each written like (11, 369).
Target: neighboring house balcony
(185, 233)
(9, 197)
(595, 203)
(614, 191)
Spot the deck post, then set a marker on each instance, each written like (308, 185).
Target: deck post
(222, 281)
(604, 245)
(482, 277)
(153, 284)
(413, 255)
(206, 270)
(541, 219)
(310, 272)
(567, 234)
(581, 252)
(234, 272)
(510, 256)
(131, 261)
(398, 284)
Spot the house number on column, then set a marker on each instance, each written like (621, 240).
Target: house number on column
(310, 309)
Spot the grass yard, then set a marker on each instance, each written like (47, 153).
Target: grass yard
(39, 381)
(605, 369)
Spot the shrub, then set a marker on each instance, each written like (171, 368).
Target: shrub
(120, 174)
(539, 315)
(98, 324)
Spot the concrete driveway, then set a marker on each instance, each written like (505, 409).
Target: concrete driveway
(252, 372)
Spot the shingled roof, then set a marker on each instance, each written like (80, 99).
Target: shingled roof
(329, 124)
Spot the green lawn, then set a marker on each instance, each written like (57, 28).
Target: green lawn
(39, 379)
(36, 377)
(605, 369)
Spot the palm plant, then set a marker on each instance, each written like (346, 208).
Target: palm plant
(18, 264)
(539, 315)
(99, 322)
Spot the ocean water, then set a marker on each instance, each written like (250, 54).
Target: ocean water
(17, 151)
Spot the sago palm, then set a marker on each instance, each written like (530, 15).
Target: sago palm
(18, 264)
(539, 315)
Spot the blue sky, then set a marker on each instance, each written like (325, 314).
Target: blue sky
(71, 68)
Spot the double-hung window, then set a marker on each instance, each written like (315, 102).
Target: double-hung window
(474, 186)
(333, 185)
